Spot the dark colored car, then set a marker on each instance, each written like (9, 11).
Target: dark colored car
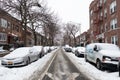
(68, 49)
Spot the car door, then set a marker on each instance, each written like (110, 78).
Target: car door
(32, 55)
(91, 56)
(89, 51)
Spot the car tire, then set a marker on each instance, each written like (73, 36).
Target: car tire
(119, 68)
(99, 65)
(86, 60)
(28, 61)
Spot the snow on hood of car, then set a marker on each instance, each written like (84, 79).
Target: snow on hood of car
(81, 49)
(112, 53)
(19, 52)
(38, 48)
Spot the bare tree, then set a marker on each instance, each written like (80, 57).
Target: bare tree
(50, 26)
(71, 30)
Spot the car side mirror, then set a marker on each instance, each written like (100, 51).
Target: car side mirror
(95, 48)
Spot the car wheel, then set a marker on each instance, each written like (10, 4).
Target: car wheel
(86, 60)
(99, 65)
(28, 61)
(119, 68)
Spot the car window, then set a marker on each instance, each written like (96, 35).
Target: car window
(89, 49)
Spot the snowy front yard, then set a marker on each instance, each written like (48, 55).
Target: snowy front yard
(23, 73)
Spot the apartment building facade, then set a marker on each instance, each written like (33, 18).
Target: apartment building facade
(11, 32)
(105, 21)
(10, 29)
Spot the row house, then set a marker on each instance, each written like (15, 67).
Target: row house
(105, 21)
(11, 32)
(82, 39)
(10, 29)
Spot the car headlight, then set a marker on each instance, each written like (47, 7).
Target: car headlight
(106, 58)
(18, 59)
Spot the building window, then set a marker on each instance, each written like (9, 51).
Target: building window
(113, 7)
(114, 40)
(113, 23)
(100, 1)
(9, 25)
(3, 37)
(105, 13)
(91, 22)
(17, 28)
(101, 29)
(105, 27)
(101, 14)
(91, 12)
(104, 1)
(3, 23)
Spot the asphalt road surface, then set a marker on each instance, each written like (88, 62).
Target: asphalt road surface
(63, 69)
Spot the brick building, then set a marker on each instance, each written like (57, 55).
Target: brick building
(105, 21)
(82, 39)
(11, 32)
(10, 29)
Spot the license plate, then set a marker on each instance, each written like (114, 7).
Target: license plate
(10, 63)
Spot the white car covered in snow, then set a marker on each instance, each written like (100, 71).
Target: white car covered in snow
(103, 55)
(20, 56)
(39, 50)
(80, 51)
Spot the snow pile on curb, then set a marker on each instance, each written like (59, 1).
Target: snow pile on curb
(23, 73)
(91, 71)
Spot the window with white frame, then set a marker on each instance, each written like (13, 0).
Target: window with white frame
(104, 1)
(91, 12)
(105, 13)
(101, 29)
(113, 23)
(101, 14)
(3, 37)
(105, 27)
(9, 25)
(114, 40)
(91, 22)
(3, 23)
(100, 2)
(113, 7)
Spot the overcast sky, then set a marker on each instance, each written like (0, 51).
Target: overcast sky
(72, 10)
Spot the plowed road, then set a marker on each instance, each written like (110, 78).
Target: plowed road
(61, 68)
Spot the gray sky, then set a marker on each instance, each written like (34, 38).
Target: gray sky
(72, 10)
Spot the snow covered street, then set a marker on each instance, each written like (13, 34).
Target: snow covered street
(25, 72)
(91, 70)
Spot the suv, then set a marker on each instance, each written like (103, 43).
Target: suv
(103, 55)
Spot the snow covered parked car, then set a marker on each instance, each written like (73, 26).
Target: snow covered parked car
(103, 55)
(80, 51)
(18, 57)
(39, 50)
(3, 52)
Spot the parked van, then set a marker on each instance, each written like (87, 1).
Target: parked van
(103, 55)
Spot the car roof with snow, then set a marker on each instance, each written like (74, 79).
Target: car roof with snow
(105, 46)
(19, 52)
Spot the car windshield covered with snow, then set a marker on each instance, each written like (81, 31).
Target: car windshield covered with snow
(108, 47)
